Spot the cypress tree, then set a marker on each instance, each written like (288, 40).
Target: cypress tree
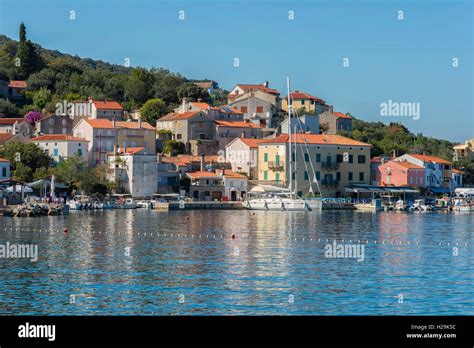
(29, 60)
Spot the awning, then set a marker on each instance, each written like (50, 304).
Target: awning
(45, 182)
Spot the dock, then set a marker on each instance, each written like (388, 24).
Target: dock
(198, 205)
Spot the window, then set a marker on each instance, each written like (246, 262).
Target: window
(351, 158)
(56, 152)
(4, 172)
(51, 121)
(361, 159)
(64, 121)
(302, 102)
(179, 136)
(79, 152)
(293, 157)
(124, 144)
(338, 176)
(265, 175)
(339, 158)
(277, 159)
(318, 176)
(64, 131)
(277, 177)
(318, 157)
(133, 144)
(265, 157)
(306, 177)
(306, 157)
(293, 176)
(243, 109)
(361, 176)
(259, 109)
(46, 151)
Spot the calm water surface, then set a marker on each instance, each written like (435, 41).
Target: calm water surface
(186, 262)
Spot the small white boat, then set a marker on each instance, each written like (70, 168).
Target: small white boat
(374, 206)
(128, 204)
(144, 204)
(420, 205)
(400, 205)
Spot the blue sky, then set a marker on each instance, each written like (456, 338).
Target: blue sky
(407, 60)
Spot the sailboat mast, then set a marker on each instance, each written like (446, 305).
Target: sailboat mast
(289, 136)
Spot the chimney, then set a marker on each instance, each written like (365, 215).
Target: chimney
(242, 135)
(331, 109)
(139, 123)
(114, 123)
(265, 83)
(199, 100)
(90, 100)
(220, 172)
(115, 149)
(183, 107)
(202, 162)
(382, 160)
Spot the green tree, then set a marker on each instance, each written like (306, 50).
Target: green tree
(174, 148)
(28, 154)
(152, 110)
(70, 170)
(7, 108)
(139, 86)
(28, 59)
(22, 172)
(193, 92)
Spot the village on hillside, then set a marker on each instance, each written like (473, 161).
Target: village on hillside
(214, 149)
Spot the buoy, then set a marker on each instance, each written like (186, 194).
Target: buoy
(65, 230)
(187, 217)
(233, 236)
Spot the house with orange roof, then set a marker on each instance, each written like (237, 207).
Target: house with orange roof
(258, 103)
(301, 124)
(400, 173)
(134, 169)
(16, 89)
(457, 177)
(306, 101)
(209, 86)
(323, 163)
(4, 169)
(62, 146)
(242, 154)
(333, 121)
(103, 134)
(191, 128)
(438, 171)
(96, 109)
(16, 125)
(6, 138)
(226, 131)
(222, 184)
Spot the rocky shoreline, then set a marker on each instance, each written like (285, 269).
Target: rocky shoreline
(32, 210)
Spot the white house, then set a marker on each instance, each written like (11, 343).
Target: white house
(62, 146)
(16, 126)
(135, 170)
(235, 184)
(242, 154)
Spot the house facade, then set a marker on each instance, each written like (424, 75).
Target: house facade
(103, 135)
(242, 154)
(16, 89)
(134, 170)
(333, 122)
(227, 131)
(465, 150)
(62, 146)
(438, 171)
(54, 124)
(400, 173)
(328, 161)
(4, 169)
(305, 100)
(303, 123)
(16, 126)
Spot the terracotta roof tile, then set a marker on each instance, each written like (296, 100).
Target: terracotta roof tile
(174, 116)
(4, 137)
(433, 159)
(199, 175)
(236, 124)
(341, 115)
(17, 84)
(6, 120)
(319, 139)
(250, 142)
(57, 137)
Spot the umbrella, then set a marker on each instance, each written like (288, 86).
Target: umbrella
(17, 188)
(52, 187)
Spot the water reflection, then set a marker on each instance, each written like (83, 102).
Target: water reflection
(191, 255)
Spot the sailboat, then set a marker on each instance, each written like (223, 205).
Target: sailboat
(266, 197)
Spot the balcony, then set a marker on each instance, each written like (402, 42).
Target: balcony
(330, 183)
(276, 166)
(330, 165)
